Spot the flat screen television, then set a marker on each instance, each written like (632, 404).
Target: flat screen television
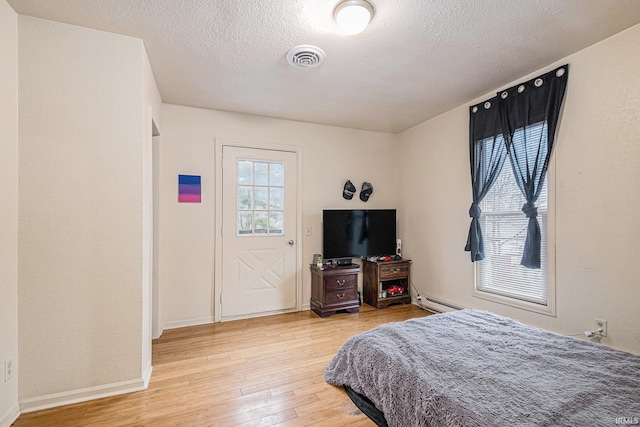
(358, 233)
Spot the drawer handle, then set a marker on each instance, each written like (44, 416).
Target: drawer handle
(341, 282)
(341, 296)
(396, 270)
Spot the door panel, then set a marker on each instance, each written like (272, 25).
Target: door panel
(258, 232)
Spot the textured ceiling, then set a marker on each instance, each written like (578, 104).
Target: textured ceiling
(417, 58)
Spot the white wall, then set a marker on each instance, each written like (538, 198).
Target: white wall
(8, 210)
(83, 123)
(597, 158)
(330, 156)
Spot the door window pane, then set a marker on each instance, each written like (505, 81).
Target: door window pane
(260, 193)
(261, 223)
(245, 197)
(275, 198)
(276, 223)
(245, 222)
(276, 174)
(261, 200)
(262, 173)
(245, 172)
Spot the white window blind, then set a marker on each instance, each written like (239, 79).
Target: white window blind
(504, 228)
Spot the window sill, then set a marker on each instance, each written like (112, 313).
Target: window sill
(547, 310)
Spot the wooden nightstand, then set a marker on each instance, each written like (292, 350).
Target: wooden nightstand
(333, 289)
(380, 276)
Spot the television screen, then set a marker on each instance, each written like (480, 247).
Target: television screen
(358, 233)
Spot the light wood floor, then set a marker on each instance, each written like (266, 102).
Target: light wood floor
(257, 372)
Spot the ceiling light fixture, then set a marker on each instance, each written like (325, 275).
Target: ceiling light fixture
(353, 16)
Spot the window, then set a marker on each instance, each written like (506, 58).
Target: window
(500, 277)
(512, 224)
(260, 208)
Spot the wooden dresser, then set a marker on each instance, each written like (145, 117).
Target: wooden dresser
(381, 276)
(333, 289)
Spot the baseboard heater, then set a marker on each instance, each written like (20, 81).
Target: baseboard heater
(442, 303)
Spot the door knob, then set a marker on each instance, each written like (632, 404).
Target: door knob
(290, 242)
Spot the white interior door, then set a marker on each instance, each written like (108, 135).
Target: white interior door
(258, 232)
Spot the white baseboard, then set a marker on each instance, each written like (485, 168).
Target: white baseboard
(146, 375)
(10, 416)
(185, 323)
(84, 394)
(156, 334)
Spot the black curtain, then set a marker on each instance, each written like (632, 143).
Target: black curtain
(529, 115)
(487, 153)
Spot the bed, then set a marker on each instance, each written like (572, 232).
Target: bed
(475, 368)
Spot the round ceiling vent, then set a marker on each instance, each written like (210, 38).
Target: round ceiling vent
(305, 56)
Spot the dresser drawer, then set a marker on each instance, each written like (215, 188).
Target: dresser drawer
(393, 271)
(338, 282)
(340, 296)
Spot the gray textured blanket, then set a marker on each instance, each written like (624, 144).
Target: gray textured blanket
(474, 368)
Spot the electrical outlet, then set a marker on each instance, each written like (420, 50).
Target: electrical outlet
(600, 323)
(8, 370)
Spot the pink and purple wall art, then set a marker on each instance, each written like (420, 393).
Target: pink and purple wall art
(189, 189)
